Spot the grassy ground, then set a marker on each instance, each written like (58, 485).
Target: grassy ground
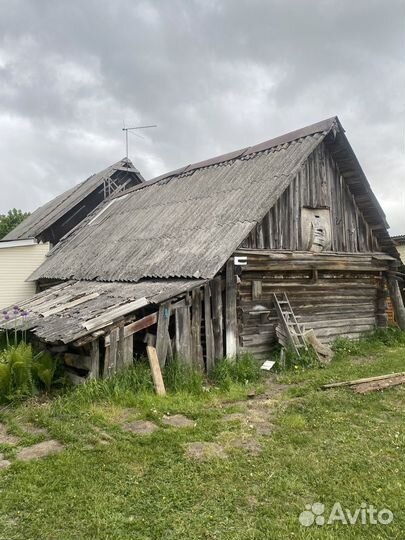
(326, 446)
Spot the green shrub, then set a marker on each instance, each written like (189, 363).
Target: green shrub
(179, 376)
(244, 369)
(22, 373)
(307, 358)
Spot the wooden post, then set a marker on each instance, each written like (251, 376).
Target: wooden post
(110, 362)
(397, 302)
(230, 315)
(155, 368)
(162, 333)
(196, 348)
(209, 334)
(183, 333)
(217, 317)
(129, 351)
(121, 349)
(94, 371)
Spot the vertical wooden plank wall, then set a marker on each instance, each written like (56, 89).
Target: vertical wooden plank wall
(318, 185)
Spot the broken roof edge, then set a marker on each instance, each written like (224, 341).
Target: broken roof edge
(323, 126)
(36, 223)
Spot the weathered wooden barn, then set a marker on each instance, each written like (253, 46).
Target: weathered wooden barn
(26, 246)
(201, 258)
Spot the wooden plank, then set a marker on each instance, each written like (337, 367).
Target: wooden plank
(69, 305)
(137, 326)
(121, 349)
(364, 380)
(217, 317)
(94, 371)
(397, 302)
(162, 334)
(109, 316)
(196, 315)
(155, 370)
(77, 361)
(209, 334)
(110, 365)
(128, 351)
(230, 310)
(256, 289)
(183, 333)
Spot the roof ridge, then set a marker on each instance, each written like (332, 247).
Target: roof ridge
(286, 138)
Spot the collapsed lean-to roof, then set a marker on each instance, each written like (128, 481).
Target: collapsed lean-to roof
(47, 215)
(187, 223)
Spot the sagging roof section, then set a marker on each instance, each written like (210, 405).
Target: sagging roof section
(73, 309)
(184, 225)
(187, 223)
(50, 213)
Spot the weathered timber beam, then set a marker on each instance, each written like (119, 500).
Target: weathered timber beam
(231, 328)
(397, 302)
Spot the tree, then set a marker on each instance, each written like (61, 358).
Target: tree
(9, 221)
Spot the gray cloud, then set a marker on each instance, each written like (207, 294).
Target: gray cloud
(214, 75)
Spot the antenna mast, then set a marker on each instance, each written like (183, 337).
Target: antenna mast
(130, 129)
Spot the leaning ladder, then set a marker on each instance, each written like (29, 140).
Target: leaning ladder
(293, 329)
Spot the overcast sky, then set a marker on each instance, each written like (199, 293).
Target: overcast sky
(215, 75)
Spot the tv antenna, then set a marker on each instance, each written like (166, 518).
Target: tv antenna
(130, 130)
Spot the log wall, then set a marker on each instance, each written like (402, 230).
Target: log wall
(336, 295)
(319, 184)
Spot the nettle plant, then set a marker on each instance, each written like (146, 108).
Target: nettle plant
(23, 373)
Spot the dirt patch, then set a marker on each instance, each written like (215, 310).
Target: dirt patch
(359, 360)
(140, 427)
(234, 417)
(4, 463)
(179, 421)
(7, 438)
(40, 450)
(204, 451)
(35, 430)
(252, 446)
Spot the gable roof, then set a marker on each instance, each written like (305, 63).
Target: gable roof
(48, 214)
(187, 223)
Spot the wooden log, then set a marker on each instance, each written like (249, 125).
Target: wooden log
(397, 302)
(217, 317)
(155, 370)
(209, 334)
(183, 333)
(360, 381)
(162, 334)
(256, 289)
(94, 371)
(231, 328)
(196, 315)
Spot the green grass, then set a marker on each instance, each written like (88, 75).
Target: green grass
(328, 446)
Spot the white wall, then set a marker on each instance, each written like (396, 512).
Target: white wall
(17, 262)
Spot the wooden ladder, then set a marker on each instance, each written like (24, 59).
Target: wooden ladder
(293, 329)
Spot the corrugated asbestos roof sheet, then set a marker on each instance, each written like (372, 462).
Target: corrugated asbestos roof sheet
(49, 213)
(71, 310)
(187, 223)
